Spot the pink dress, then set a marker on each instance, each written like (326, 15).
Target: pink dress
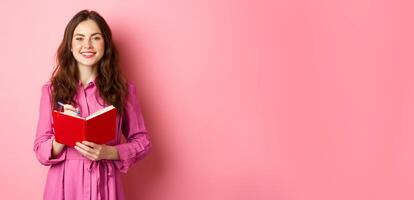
(73, 176)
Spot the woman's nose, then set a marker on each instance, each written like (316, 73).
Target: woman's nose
(87, 43)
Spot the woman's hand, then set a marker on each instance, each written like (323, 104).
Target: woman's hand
(69, 109)
(97, 152)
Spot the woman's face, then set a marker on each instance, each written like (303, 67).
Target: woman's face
(87, 44)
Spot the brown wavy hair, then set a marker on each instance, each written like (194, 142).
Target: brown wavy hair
(111, 84)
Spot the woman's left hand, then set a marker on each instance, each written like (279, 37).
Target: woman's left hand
(97, 152)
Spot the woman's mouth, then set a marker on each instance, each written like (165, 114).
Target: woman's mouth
(88, 54)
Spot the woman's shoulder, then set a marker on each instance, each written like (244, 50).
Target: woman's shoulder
(132, 92)
(130, 86)
(47, 86)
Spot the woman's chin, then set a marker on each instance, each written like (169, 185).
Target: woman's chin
(87, 64)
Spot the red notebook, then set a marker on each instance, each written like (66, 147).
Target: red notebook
(98, 127)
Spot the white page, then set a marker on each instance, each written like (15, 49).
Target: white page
(101, 111)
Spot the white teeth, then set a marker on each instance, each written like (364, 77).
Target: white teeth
(88, 54)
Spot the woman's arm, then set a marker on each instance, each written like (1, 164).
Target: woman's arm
(138, 143)
(43, 144)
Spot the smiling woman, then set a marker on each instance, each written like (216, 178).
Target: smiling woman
(87, 43)
(87, 78)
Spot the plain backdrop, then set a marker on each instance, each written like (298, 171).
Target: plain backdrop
(264, 100)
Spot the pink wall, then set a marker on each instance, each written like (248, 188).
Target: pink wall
(290, 100)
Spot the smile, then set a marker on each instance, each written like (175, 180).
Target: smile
(88, 54)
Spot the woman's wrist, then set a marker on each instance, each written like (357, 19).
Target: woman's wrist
(112, 153)
(56, 148)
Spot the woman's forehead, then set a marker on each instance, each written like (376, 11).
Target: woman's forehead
(87, 27)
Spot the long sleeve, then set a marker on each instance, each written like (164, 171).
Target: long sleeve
(44, 134)
(138, 143)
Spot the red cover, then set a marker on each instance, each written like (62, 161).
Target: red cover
(70, 129)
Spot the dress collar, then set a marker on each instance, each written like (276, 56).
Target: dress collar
(90, 83)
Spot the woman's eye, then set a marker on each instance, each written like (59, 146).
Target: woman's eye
(96, 38)
(79, 39)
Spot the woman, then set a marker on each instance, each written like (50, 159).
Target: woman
(87, 78)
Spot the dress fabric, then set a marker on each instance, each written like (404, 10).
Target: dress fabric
(72, 176)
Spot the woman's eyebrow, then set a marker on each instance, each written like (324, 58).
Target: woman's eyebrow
(78, 34)
(96, 34)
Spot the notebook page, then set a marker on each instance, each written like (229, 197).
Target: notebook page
(101, 111)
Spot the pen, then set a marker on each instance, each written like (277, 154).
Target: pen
(63, 105)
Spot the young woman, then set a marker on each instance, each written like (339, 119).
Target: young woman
(87, 78)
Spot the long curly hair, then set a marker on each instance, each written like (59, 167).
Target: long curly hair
(110, 82)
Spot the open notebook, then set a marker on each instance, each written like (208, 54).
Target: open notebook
(99, 127)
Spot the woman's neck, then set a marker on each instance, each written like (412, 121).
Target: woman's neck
(87, 74)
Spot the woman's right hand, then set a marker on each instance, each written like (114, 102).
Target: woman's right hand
(69, 109)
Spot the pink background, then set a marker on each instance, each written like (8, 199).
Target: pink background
(289, 100)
